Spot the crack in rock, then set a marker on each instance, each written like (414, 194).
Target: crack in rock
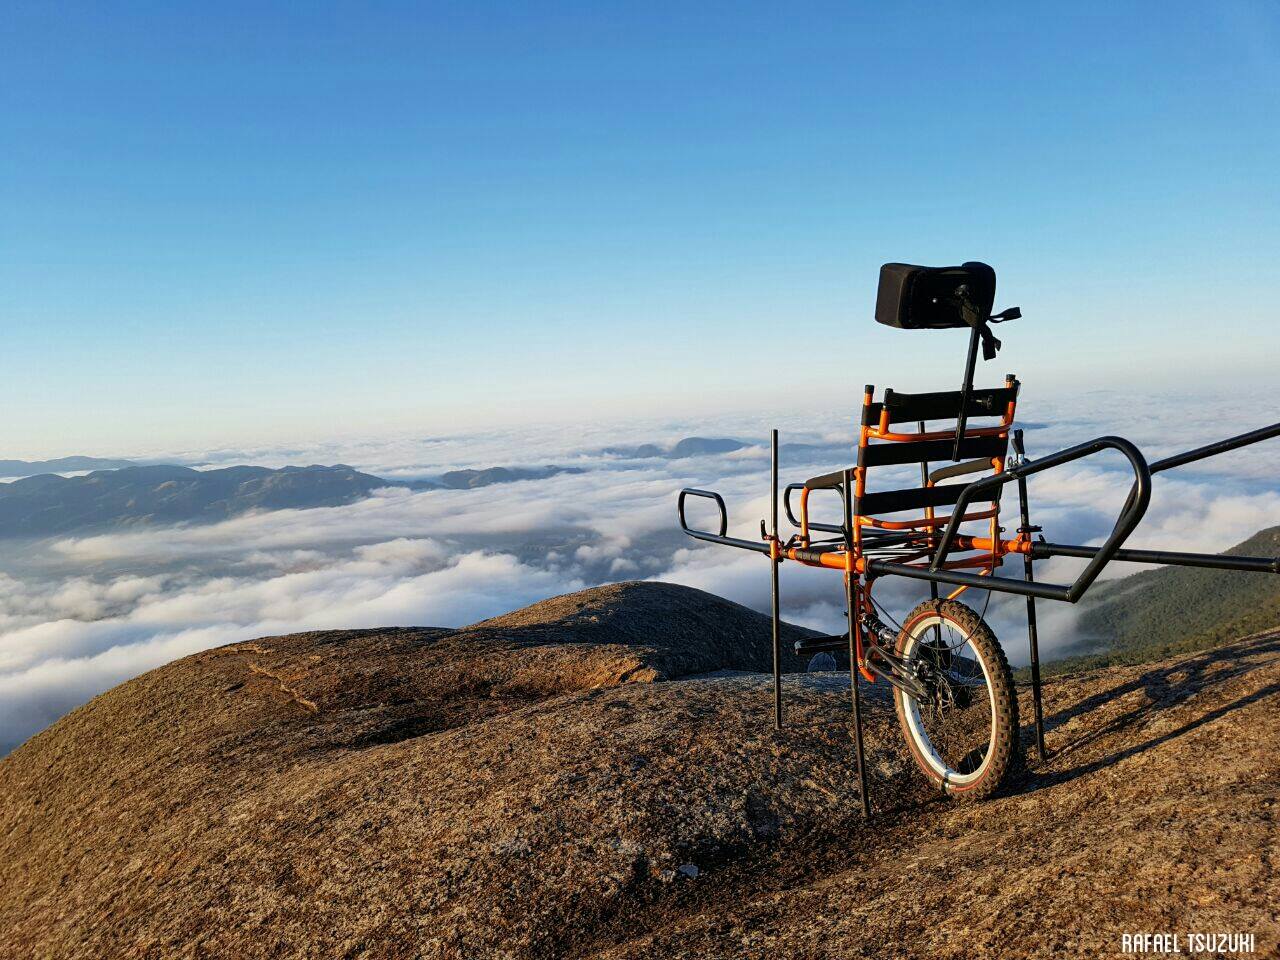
(294, 693)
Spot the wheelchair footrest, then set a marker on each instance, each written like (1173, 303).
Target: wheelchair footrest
(817, 644)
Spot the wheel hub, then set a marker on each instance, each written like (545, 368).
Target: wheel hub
(945, 696)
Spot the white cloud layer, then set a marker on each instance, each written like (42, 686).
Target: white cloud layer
(78, 615)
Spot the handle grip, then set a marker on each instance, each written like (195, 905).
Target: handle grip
(707, 535)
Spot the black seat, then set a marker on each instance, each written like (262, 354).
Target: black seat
(942, 405)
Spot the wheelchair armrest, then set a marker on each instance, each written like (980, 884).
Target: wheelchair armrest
(827, 481)
(959, 469)
(812, 485)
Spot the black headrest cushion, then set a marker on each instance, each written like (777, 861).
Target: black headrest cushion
(930, 298)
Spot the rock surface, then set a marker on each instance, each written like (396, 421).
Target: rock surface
(525, 788)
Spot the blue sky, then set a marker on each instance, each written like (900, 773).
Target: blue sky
(237, 222)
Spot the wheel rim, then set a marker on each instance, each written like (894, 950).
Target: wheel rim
(955, 741)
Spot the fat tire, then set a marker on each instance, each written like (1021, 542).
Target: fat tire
(1006, 748)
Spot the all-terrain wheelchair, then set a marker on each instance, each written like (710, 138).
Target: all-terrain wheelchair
(952, 686)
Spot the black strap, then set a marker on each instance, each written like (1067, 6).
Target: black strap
(990, 345)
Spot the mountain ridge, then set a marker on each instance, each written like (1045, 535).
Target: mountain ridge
(41, 502)
(48, 504)
(30, 468)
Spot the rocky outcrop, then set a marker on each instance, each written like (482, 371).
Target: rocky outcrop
(568, 780)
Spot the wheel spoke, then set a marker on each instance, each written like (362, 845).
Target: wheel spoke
(962, 722)
(955, 720)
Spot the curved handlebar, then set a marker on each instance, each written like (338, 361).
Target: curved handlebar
(813, 524)
(1130, 516)
(709, 495)
(720, 537)
(786, 502)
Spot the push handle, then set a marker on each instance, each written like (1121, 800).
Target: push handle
(1130, 515)
(707, 535)
(707, 495)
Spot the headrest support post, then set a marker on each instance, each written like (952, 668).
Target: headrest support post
(966, 388)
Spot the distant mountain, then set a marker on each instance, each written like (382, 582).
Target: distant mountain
(30, 468)
(645, 451)
(48, 504)
(471, 479)
(1170, 610)
(688, 447)
(699, 446)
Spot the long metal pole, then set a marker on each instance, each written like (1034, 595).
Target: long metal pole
(853, 645)
(1028, 574)
(959, 578)
(1213, 449)
(1210, 561)
(774, 562)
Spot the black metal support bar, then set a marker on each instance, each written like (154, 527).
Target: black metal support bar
(924, 482)
(847, 496)
(1028, 574)
(1213, 449)
(774, 562)
(1045, 591)
(965, 389)
(1212, 561)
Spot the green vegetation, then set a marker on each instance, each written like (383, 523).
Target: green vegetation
(1171, 610)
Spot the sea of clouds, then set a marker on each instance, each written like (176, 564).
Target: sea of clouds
(81, 614)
